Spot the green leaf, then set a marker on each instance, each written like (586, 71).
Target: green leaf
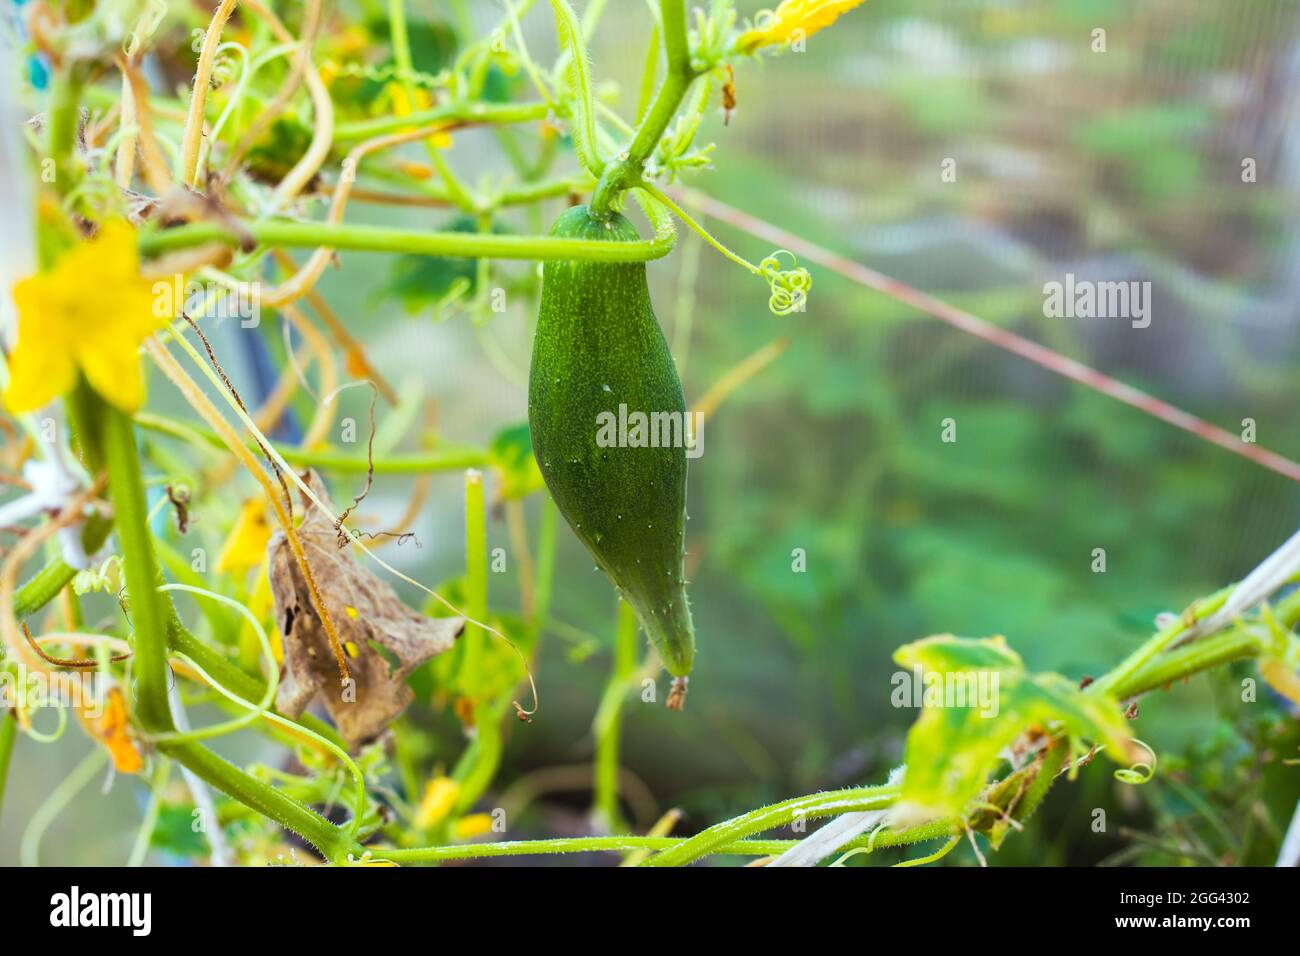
(176, 831)
(279, 148)
(433, 43)
(512, 455)
(422, 282)
(945, 653)
(978, 701)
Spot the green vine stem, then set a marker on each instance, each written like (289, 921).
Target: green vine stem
(332, 842)
(462, 245)
(149, 663)
(45, 585)
(1150, 649)
(811, 807)
(495, 113)
(150, 645)
(609, 720)
(547, 539)
(478, 764)
(615, 844)
(629, 170)
(727, 837)
(451, 459)
(63, 121)
(1238, 644)
(476, 582)
(1154, 665)
(8, 733)
(457, 192)
(234, 679)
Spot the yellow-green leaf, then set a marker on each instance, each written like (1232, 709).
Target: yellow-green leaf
(980, 700)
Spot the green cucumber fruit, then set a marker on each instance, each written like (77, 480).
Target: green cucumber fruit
(598, 347)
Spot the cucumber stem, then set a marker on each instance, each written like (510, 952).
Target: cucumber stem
(678, 75)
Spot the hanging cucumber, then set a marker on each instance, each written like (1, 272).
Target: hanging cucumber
(599, 359)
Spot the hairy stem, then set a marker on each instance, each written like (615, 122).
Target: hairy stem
(609, 719)
(149, 664)
(8, 733)
(616, 844)
(811, 807)
(231, 677)
(678, 75)
(362, 238)
(451, 459)
(150, 619)
(1236, 644)
(476, 582)
(462, 112)
(1151, 648)
(64, 117)
(44, 586)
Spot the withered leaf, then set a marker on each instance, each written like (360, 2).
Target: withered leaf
(384, 640)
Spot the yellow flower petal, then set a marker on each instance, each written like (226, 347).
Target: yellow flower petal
(439, 797)
(112, 729)
(792, 19)
(415, 170)
(36, 375)
(1281, 678)
(403, 106)
(352, 40)
(246, 546)
(476, 824)
(92, 310)
(114, 372)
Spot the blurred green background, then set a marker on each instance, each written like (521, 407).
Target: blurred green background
(1123, 165)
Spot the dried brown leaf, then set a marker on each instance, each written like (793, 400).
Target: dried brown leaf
(384, 639)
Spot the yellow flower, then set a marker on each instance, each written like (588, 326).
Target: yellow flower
(439, 797)
(476, 824)
(89, 313)
(415, 171)
(402, 106)
(245, 547)
(354, 39)
(112, 729)
(792, 20)
(1281, 678)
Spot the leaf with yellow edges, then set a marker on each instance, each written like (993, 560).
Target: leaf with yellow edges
(979, 700)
